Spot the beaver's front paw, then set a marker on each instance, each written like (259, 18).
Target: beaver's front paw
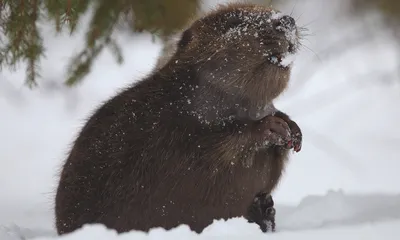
(295, 131)
(275, 131)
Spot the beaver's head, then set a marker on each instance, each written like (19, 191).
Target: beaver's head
(244, 50)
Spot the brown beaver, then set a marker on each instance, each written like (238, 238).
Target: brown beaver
(198, 139)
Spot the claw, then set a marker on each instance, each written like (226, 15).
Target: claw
(297, 148)
(289, 144)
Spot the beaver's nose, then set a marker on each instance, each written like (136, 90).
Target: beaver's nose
(285, 23)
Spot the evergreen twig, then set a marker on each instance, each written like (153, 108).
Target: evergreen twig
(21, 41)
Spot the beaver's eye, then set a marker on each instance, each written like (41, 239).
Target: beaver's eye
(232, 23)
(186, 38)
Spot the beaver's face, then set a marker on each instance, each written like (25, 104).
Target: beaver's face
(255, 32)
(242, 32)
(243, 49)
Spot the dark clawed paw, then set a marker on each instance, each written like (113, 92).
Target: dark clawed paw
(262, 212)
(269, 219)
(270, 212)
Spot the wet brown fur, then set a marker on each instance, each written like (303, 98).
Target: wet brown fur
(171, 149)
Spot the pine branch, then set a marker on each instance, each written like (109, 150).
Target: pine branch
(18, 20)
(34, 49)
(105, 17)
(21, 41)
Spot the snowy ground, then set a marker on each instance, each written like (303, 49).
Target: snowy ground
(344, 183)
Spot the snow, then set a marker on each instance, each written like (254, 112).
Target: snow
(287, 59)
(343, 184)
(237, 229)
(329, 216)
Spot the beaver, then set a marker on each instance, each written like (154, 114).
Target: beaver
(197, 139)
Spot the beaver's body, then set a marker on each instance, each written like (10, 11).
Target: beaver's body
(185, 145)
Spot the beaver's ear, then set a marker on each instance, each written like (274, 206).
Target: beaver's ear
(186, 38)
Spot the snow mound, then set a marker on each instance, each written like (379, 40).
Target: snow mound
(332, 215)
(337, 208)
(385, 231)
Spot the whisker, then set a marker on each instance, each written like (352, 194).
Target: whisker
(298, 18)
(308, 40)
(302, 35)
(316, 55)
(304, 29)
(303, 32)
(291, 14)
(307, 24)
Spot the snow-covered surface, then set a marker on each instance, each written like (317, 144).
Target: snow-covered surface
(238, 229)
(345, 100)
